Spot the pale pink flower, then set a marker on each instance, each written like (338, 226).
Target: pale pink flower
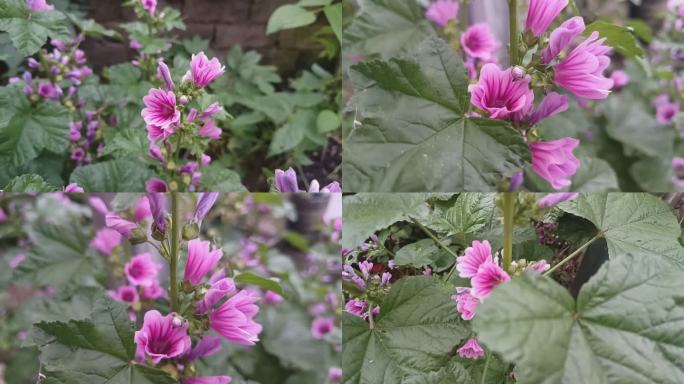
(210, 130)
(441, 12)
(539, 266)
(16, 260)
(666, 112)
(581, 72)
(201, 259)
(161, 337)
(156, 133)
(164, 73)
(554, 161)
(39, 5)
(153, 291)
(499, 95)
(553, 199)
(73, 188)
(98, 205)
(356, 307)
(149, 5)
(541, 14)
(142, 270)
(219, 289)
(620, 79)
(551, 105)
(479, 42)
(105, 240)
(471, 350)
(142, 209)
(475, 255)
(204, 71)
(124, 227)
(207, 380)
(125, 294)
(488, 276)
(234, 319)
(272, 298)
(207, 346)
(160, 108)
(465, 303)
(335, 374)
(322, 326)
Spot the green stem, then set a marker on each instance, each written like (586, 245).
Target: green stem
(371, 322)
(484, 370)
(173, 257)
(513, 32)
(439, 242)
(509, 200)
(575, 9)
(465, 14)
(572, 255)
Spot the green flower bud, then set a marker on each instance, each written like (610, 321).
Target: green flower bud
(190, 231)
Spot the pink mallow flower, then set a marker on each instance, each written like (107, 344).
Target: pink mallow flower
(156, 185)
(124, 227)
(488, 276)
(203, 71)
(620, 79)
(158, 133)
(210, 130)
(39, 5)
(201, 259)
(322, 326)
(219, 289)
(142, 209)
(666, 112)
(161, 337)
(207, 380)
(475, 255)
(441, 12)
(142, 270)
(553, 199)
(499, 95)
(286, 181)
(479, 42)
(553, 104)
(272, 298)
(105, 240)
(465, 303)
(149, 5)
(581, 72)
(554, 161)
(471, 350)
(160, 108)
(539, 266)
(125, 294)
(234, 319)
(541, 14)
(153, 291)
(561, 37)
(356, 307)
(335, 374)
(73, 188)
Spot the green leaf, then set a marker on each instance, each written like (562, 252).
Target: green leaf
(632, 223)
(471, 213)
(412, 134)
(413, 335)
(31, 128)
(92, 28)
(252, 279)
(386, 28)
(97, 350)
(29, 30)
(29, 183)
(365, 213)
(113, 175)
(423, 253)
(291, 134)
(289, 16)
(626, 322)
(653, 174)
(219, 179)
(334, 15)
(620, 38)
(327, 121)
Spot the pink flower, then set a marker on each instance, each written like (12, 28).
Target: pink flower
(499, 95)
(541, 14)
(678, 172)
(356, 307)
(149, 5)
(157, 205)
(73, 188)
(164, 73)
(210, 130)
(552, 105)
(155, 152)
(16, 260)
(554, 161)
(488, 276)
(333, 187)
(156, 133)
(204, 204)
(207, 346)
(98, 205)
(142, 270)
(539, 266)
(201, 259)
(666, 112)
(478, 41)
(475, 255)
(335, 374)
(125, 294)
(286, 181)
(553, 199)
(322, 326)
(142, 209)
(161, 337)
(203, 71)
(219, 289)
(581, 72)
(124, 227)
(207, 380)
(465, 303)
(234, 319)
(105, 240)
(39, 5)
(442, 11)
(620, 79)
(153, 291)
(471, 350)
(160, 108)
(272, 298)
(155, 185)
(211, 110)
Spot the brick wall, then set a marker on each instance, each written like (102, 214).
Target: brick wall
(224, 22)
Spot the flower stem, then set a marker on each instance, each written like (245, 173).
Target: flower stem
(572, 255)
(371, 323)
(173, 257)
(484, 370)
(509, 200)
(439, 242)
(464, 14)
(513, 32)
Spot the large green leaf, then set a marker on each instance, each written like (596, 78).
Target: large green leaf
(114, 175)
(626, 326)
(97, 350)
(29, 30)
(413, 135)
(422, 253)
(622, 39)
(471, 213)
(30, 129)
(29, 183)
(365, 213)
(386, 27)
(289, 16)
(412, 337)
(632, 223)
(219, 179)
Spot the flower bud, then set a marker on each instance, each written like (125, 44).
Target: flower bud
(190, 231)
(159, 234)
(518, 73)
(184, 100)
(138, 236)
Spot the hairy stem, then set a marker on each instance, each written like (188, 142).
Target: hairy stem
(173, 257)
(572, 255)
(371, 322)
(509, 200)
(439, 242)
(513, 32)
